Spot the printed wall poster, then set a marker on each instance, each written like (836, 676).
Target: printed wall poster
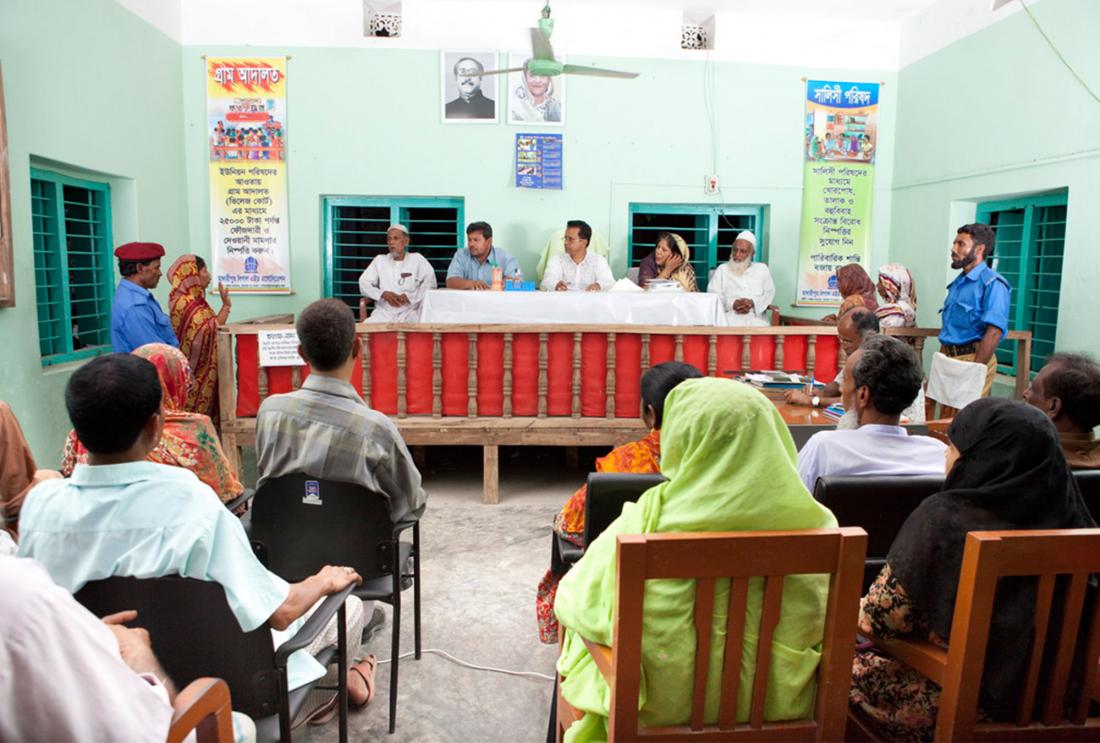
(246, 116)
(538, 161)
(841, 136)
(534, 99)
(467, 97)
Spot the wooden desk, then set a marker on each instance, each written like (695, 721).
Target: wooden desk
(802, 415)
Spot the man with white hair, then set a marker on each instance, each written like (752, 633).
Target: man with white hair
(746, 288)
(397, 280)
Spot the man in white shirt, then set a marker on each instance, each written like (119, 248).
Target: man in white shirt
(577, 269)
(881, 379)
(398, 280)
(746, 288)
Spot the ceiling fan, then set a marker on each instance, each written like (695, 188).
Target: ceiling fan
(542, 60)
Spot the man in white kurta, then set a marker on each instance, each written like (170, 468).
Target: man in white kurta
(578, 268)
(397, 281)
(746, 288)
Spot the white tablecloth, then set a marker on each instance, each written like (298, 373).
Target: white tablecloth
(597, 308)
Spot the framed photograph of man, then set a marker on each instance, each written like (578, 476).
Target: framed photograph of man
(465, 96)
(534, 99)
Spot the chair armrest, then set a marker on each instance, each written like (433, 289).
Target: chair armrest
(400, 526)
(313, 627)
(602, 655)
(240, 500)
(920, 655)
(204, 707)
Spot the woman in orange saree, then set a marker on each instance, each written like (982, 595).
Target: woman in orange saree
(196, 326)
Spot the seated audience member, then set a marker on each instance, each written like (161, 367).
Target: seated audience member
(187, 440)
(638, 457)
(851, 330)
(746, 287)
(899, 297)
(856, 290)
(398, 280)
(472, 268)
(18, 474)
(578, 268)
(120, 514)
(1067, 389)
(730, 464)
(881, 379)
(1005, 471)
(669, 261)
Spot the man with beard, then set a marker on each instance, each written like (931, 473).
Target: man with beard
(852, 329)
(881, 379)
(974, 316)
(746, 288)
(471, 102)
(397, 280)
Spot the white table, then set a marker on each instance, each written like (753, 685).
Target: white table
(596, 308)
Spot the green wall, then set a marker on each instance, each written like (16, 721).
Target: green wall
(88, 85)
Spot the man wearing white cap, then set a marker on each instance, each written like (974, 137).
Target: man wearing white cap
(398, 280)
(745, 287)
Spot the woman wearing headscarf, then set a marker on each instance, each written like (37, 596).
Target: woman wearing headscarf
(670, 260)
(899, 297)
(856, 290)
(730, 464)
(196, 326)
(18, 472)
(1005, 472)
(188, 439)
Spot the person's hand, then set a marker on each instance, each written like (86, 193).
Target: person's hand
(402, 299)
(43, 475)
(593, 288)
(478, 285)
(338, 577)
(561, 286)
(742, 306)
(390, 298)
(224, 294)
(797, 397)
(673, 263)
(133, 642)
(829, 318)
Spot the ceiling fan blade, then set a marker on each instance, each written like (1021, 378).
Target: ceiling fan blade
(573, 69)
(502, 72)
(540, 45)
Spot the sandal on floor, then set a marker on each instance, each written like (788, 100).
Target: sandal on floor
(325, 712)
(365, 668)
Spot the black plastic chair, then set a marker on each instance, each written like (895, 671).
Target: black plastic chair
(878, 504)
(1089, 482)
(607, 492)
(301, 523)
(194, 633)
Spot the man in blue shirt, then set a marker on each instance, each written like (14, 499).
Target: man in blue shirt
(974, 316)
(136, 318)
(472, 268)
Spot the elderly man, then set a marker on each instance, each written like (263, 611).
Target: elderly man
(136, 318)
(974, 316)
(398, 280)
(881, 379)
(746, 288)
(471, 102)
(577, 269)
(1068, 390)
(472, 268)
(855, 327)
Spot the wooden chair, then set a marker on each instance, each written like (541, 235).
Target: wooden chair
(203, 707)
(739, 556)
(989, 555)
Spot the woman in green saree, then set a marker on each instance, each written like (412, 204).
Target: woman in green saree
(731, 466)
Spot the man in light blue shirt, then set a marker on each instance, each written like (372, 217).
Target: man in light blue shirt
(136, 318)
(121, 515)
(472, 268)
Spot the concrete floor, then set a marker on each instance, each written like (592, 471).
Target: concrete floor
(481, 565)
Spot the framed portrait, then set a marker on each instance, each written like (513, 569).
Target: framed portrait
(7, 275)
(465, 96)
(534, 99)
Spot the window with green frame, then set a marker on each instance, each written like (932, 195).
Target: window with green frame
(708, 230)
(355, 232)
(1030, 244)
(73, 274)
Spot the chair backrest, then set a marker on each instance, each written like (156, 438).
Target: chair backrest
(1089, 482)
(195, 633)
(741, 557)
(1060, 559)
(605, 495)
(302, 523)
(879, 505)
(633, 273)
(801, 432)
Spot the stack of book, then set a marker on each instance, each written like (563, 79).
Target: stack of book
(775, 384)
(663, 285)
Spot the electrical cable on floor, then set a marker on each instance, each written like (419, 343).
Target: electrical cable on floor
(459, 661)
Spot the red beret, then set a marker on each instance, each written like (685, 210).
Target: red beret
(139, 251)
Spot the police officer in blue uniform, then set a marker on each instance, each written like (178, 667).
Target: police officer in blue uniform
(136, 318)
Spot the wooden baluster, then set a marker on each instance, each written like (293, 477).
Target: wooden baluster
(576, 375)
(779, 360)
(262, 383)
(679, 353)
(295, 377)
(471, 375)
(507, 391)
(542, 374)
(645, 352)
(402, 401)
(712, 356)
(811, 355)
(918, 346)
(610, 384)
(366, 369)
(746, 352)
(437, 375)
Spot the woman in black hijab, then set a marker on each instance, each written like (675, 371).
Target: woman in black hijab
(1005, 471)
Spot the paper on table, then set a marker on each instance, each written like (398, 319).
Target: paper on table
(625, 285)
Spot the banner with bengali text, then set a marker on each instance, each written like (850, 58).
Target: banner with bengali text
(841, 136)
(246, 129)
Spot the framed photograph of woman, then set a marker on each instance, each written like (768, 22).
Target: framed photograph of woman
(534, 99)
(7, 275)
(467, 97)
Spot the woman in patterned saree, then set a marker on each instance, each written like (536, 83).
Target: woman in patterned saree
(196, 326)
